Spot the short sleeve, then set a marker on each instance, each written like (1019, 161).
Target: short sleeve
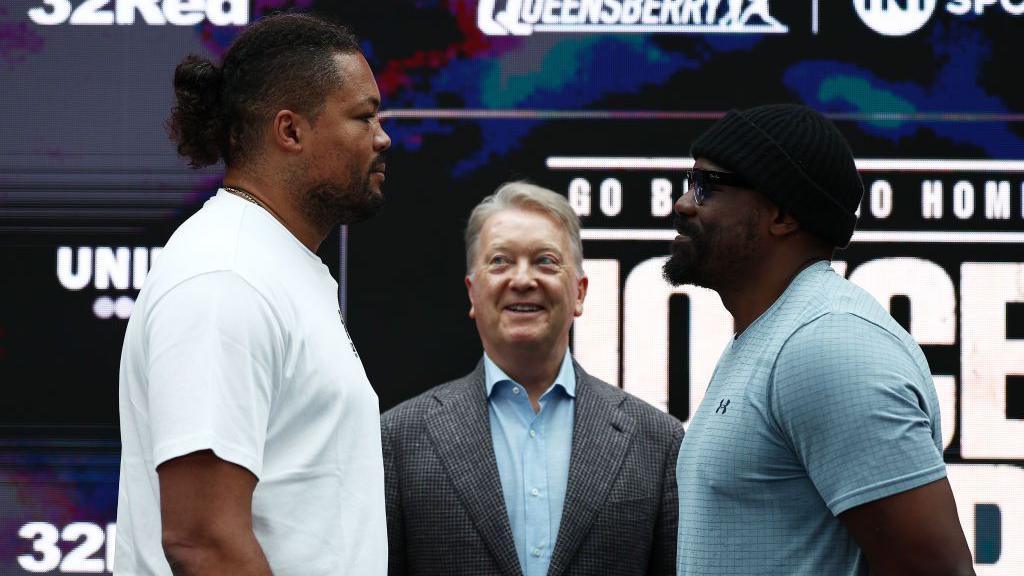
(857, 410)
(213, 346)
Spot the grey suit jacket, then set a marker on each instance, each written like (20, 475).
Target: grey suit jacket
(446, 513)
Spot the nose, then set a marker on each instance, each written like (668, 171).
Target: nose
(522, 277)
(685, 205)
(381, 140)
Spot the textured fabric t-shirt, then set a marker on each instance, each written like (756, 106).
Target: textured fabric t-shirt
(236, 345)
(824, 403)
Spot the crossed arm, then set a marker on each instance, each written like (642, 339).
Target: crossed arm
(206, 514)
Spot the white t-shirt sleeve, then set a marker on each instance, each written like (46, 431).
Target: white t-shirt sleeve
(214, 348)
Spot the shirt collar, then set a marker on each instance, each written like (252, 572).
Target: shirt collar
(566, 377)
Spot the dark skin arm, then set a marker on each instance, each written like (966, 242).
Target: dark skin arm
(914, 533)
(206, 515)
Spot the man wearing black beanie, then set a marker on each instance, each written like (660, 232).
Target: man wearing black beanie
(817, 448)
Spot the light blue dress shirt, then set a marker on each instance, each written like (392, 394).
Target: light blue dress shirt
(532, 450)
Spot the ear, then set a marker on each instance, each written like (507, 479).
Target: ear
(581, 294)
(469, 290)
(782, 224)
(289, 130)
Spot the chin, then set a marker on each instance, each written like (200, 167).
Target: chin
(684, 266)
(524, 340)
(678, 272)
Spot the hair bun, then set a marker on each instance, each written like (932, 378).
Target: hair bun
(197, 119)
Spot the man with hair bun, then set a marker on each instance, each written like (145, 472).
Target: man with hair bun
(529, 466)
(817, 449)
(250, 434)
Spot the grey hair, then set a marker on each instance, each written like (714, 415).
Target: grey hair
(524, 196)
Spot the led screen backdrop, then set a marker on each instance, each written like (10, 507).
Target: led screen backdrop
(597, 99)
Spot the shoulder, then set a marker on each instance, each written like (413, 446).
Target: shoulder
(836, 304)
(649, 420)
(411, 412)
(845, 359)
(835, 325)
(209, 241)
(845, 336)
(220, 299)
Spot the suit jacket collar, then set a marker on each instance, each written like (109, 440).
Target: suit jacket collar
(459, 427)
(600, 439)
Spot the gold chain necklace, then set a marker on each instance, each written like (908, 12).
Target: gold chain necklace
(243, 194)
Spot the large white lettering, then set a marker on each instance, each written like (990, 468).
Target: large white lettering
(120, 268)
(596, 332)
(987, 358)
(152, 12)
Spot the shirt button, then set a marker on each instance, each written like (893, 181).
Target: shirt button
(515, 389)
(536, 552)
(535, 492)
(533, 433)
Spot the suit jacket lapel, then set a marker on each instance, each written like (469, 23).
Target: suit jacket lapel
(460, 430)
(600, 438)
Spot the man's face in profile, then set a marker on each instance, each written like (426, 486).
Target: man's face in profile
(718, 239)
(347, 145)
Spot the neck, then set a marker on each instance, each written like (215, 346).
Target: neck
(280, 203)
(749, 298)
(534, 368)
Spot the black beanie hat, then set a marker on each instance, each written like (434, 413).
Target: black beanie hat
(794, 156)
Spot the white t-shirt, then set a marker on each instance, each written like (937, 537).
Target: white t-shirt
(237, 345)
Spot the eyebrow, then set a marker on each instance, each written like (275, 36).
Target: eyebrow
(546, 247)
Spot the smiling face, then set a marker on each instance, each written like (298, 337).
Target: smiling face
(524, 289)
(345, 167)
(718, 240)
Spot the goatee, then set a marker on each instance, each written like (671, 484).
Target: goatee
(685, 264)
(715, 255)
(331, 206)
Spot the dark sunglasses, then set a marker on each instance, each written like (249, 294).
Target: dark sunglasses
(700, 182)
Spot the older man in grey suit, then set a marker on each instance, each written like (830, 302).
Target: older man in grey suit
(529, 465)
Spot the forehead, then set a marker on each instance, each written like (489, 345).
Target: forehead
(518, 227)
(358, 85)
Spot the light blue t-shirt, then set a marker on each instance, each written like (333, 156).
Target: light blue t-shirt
(824, 403)
(532, 450)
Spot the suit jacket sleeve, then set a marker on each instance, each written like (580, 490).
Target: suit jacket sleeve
(393, 499)
(663, 551)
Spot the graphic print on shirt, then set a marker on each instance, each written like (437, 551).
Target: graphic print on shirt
(341, 317)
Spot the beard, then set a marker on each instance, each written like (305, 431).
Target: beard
(329, 205)
(710, 259)
(688, 261)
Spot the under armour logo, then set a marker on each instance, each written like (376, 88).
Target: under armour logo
(722, 405)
